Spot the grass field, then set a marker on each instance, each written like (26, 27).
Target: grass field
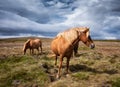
(99, 67)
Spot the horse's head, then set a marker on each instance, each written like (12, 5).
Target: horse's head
(26, 46)
(86, 39)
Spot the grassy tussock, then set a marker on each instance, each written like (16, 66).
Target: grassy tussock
(81, 76)
(116, 82)
(21, 70)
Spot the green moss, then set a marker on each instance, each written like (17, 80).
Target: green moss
(83, 48)
(116, 82)
(80, 76)
(15, 59)
(24, 69)
(87, 61)
(60, 84)
(45, 58)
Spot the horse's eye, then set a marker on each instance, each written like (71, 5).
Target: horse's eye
(85, 42)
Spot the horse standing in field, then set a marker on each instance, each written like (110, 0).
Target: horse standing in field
(32, 44)
(63, 45)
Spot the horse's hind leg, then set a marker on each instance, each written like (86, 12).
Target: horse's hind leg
(32, 51)
(55, 59)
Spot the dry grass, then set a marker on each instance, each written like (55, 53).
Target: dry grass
(99, 67)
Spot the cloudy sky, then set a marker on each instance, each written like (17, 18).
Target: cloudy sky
(48, 17)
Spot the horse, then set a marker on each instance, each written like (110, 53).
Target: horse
(63, 47)
(32, 44)
(72, 35)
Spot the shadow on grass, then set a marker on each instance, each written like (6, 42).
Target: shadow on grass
(78, 67)
(38, 54)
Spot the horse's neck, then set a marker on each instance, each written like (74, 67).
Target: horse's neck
(75, 41)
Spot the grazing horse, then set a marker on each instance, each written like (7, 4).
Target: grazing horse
(72, 35)
(63, 47)
(32, 44)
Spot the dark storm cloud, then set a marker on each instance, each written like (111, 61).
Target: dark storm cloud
(24, 12)
(19, 32)
(66, 3)
(43, 17)
(48, 3)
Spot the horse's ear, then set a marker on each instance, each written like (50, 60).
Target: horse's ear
(87, 32)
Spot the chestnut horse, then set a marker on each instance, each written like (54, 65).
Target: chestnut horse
(64, 48)
(79, 29)
(32, 44)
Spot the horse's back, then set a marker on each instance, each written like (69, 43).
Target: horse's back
(35, 43)
(36, 40)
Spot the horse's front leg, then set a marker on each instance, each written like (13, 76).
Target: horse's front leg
(32, 51)
(76, 48)
(68, 60)
(41, 48)
(60, 65)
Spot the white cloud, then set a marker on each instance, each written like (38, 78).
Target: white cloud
(17, 22)
(56, 16)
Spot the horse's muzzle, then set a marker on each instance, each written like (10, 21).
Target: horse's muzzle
(92, 46)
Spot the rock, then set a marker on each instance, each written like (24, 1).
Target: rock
(16, 82)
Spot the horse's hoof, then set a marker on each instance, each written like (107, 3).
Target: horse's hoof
(68, 75)
(57, 77)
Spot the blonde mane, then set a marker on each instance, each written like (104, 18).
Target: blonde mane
(71, 34)
(82, 29)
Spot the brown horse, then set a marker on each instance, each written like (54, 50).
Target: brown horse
(62, 47)
(32, 44)
(72, 35)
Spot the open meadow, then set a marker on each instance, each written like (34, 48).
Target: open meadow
(99, 67)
